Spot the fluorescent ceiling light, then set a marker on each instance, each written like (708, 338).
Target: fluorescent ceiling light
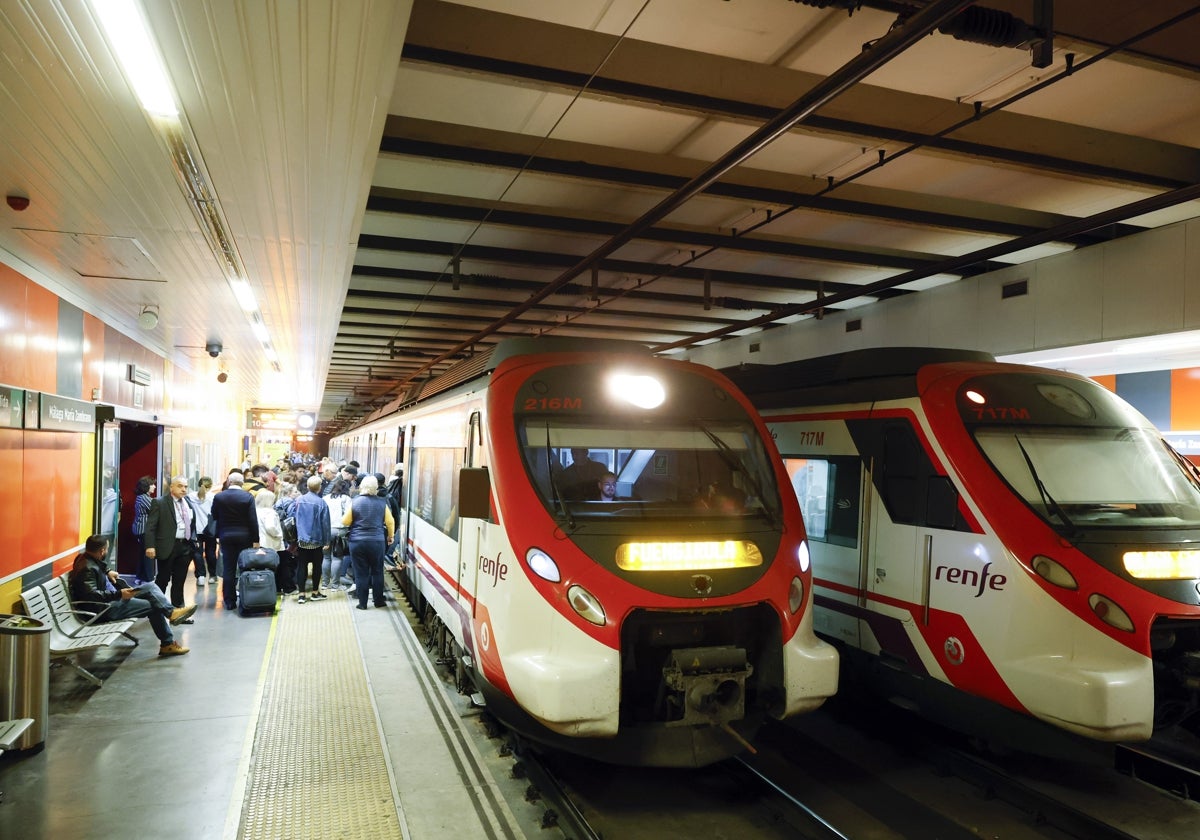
(129, 38)
(244, 295)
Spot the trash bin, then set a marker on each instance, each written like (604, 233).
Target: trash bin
(25, 676)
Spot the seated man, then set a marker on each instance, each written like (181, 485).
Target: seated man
(90, 578)
(608, 487)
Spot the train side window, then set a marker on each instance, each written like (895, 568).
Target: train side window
(828, 490)
(913, 492)
(941, 503)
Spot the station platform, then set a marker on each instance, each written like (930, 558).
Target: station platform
(322, 721)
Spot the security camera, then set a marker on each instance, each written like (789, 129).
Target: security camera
(214, 348)
(222, 376)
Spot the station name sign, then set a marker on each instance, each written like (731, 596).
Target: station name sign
(63, 414)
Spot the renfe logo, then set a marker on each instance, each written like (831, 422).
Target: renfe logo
(972, 578)
(497, 570)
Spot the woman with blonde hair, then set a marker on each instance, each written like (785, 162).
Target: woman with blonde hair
(370, 529)
(269, 529)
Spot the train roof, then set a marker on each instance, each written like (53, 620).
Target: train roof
(488, 359)
(854, 376)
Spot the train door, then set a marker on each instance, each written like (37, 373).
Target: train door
(470, 530)
(892, 456)
(108, 482)
(916, 525)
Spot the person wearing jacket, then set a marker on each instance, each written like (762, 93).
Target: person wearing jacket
(237, 530)
(172, 529)
(97, 588)
(313, 533)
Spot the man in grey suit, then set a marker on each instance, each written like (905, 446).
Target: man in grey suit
(171, 531)
(237, 530)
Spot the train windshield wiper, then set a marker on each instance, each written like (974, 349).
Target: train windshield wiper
(556, 497)
(735, 462)
(1047, 500)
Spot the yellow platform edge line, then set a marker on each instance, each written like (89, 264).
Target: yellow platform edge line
(233, 817)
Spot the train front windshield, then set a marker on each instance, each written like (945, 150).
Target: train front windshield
(674, 469)
(1078, 455)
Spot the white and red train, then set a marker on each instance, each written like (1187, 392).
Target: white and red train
(658, 628)
(993, 542)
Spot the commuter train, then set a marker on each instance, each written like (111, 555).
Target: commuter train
(658, 628)
(990, 537)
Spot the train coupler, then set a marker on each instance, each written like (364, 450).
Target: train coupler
(709, 684)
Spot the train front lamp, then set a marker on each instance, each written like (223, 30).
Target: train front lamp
(639, 391)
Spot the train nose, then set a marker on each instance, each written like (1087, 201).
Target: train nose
(710, 684)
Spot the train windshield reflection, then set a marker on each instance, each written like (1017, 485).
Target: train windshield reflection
(676, 470)
(1094, 477)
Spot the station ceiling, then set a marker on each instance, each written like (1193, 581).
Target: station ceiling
(404, 183)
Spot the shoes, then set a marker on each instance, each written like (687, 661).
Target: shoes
(381, 603)
(212, 579)
(199, 581)
(173, 649)
(231, 607)
(182, 614)
(319, 596)
(301, 599)
(360, 606)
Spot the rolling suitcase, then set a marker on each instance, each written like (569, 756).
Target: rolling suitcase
(258, 558)
(256, 591)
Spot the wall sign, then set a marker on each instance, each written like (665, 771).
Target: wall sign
(63, 414)
(12, 408)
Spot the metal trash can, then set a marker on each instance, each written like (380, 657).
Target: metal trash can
(25, 676)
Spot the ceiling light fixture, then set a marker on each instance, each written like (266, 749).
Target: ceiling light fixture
(148, 319)
(128, 35)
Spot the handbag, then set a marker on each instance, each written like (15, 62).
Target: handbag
(338, 546)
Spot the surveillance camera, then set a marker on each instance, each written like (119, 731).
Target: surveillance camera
(214, 348)
(222, 376)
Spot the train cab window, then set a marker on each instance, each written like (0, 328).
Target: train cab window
(912, 490)
(684, 470)
(828, 490)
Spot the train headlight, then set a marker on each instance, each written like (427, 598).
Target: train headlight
(1054, 572)
(1163, 565)
(641, 391)
(586, 604)
(542, 565)
(1107, 611)
(675, 556)
(802, 556)
(796, 595)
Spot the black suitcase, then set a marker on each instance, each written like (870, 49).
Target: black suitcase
(256, 591)
(258, 558)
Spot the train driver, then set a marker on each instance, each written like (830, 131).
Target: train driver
(608, 487)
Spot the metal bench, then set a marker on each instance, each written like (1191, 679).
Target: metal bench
(78, 623)
(62, 646)
(11, 731)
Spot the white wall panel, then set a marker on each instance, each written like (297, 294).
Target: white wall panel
(1143, 284)
(1070, 308)
(1146, 284)
(1191, 274)
(1005, 325)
